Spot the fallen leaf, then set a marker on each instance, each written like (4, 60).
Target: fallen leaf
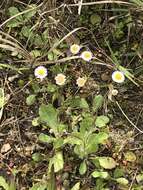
(5, 148)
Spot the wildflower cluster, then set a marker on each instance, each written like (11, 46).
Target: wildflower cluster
(60, 79)
(85, 55)
(41, 71)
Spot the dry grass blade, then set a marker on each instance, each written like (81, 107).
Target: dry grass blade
(5, 41)
(66, 36)
(80, 6)
(13, 49)
(101, 2)
(1, 102)
(64, 60)
(7, 47)
(57, 61)
(11, 38)
(51, 10)
(12, 44)
(128, 118)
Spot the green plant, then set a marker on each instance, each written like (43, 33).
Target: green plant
(59, 107)
(7, 186)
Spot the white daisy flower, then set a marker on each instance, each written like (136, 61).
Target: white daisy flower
(74, 49)
(60, 79)
(81, 81)
(40, 72)
(118, 76)
(86, 55)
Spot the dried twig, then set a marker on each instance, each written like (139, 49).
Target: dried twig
(100, 2)
(128, 118)
(80, 6)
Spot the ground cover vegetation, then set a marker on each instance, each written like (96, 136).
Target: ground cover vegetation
(71, 95)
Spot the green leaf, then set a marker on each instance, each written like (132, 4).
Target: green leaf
(58, 143)
(26, 31)
(95, 19)
(12, 186)
(35, 53)
(119, 172)
(49, 115)
(30, 100)
(86, 123)
(80, 151)
(139, 178)
(51, 56)
(78, 102)
(83, 168)
(17, 20)
(31, 13)
(101, 137)
(83, 103)
(58, 161)
(3, 183)
(45, 138)
(73, 141)
(76, 186)
(130, 156)
(13, 23)
(52, 179)
(61, 128)
(14, 11)
(107, 162)
(38, 186)
(99, 174)
(102, 121)
(100, 184)
(95, 161)
(36, 87)
(38, 40)
(122, 181)
(51, 87)
(97, 102)
(90, 144)
(37, 157)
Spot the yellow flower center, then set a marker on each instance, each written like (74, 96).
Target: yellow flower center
(41, 72)
(118, 76)
(81, 82)
(75, 49)
(87, 55)
(60, 79)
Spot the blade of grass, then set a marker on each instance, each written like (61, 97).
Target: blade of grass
(13, 67)
(118, 66)
(129, 75)
(113, 57)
